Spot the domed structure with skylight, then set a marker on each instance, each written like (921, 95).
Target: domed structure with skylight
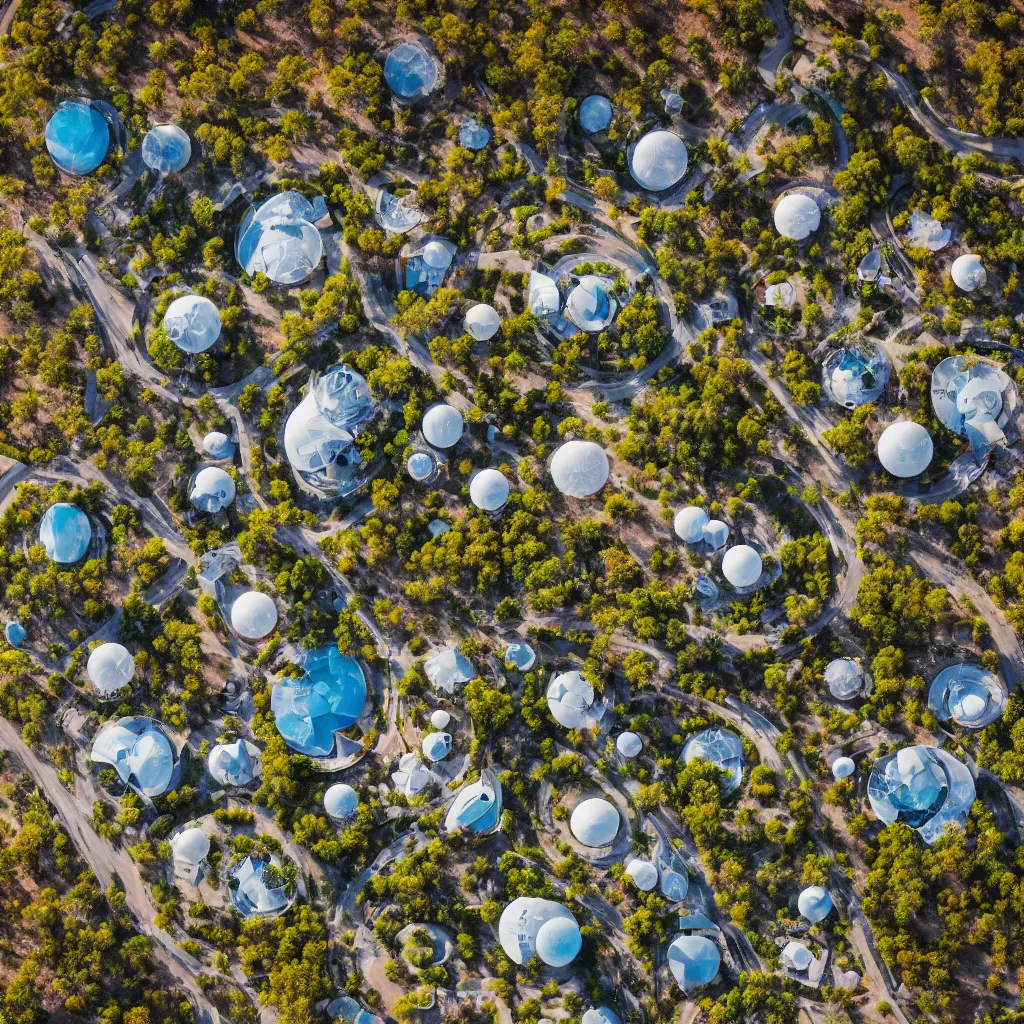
(694, 961)
(797, 216)
(212, 489)
(742, 566)
(543, 296)
(529, 925)
(139, 751)
(968, 272)
(110, 668)
(579, 468)
(488, 490)
(595, 114)
(77, 137)
(65, 532)
(192, 322)
(905, 449)
(253, 615)
(477, 806)
(482, 321)
(410, 71)
(520, 654)
(856, 374)
(279, 238)
(723, 749)
(166, 148)
(595, 822)
(422, 467)
(658, 161)
(591, 305)
(442, 425)
(689, 524)
(341, 801)
(473, 135)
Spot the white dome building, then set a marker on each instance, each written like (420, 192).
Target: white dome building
(253, 615)
(235, 764)
(189, 850)
(110, 668)
(212, 489)
(440, 719)
(968, 695)
(600, 1015)
(448, 668)
(529, 925)
(796, 956)
(742, 566)
(797, 216)
(595, 114)
(437, 745)
(139, 751)
(694, 961)
(192, 322)
(442, 425)
(814, 903)
(968, 273)
(689, 524)
(218, 445)
(905, 449)
(341, 801)
(658, 161)
(482, 321)
(846, 679)
(572, 703)
(488, 490)
(543, 297)
(595, 822)
(421, 466)
(843, 767)
(629, 745)
(643, 874)
(166, 148)
(591, 305)
(280, 238)
(579, 468)
(473, 135)
(716, 533)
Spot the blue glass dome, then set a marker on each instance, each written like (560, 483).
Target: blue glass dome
(15, 633)
(694, 961)
(77, 138)
(595, 114)
(65, 532)
(410, 72)
(330, 696)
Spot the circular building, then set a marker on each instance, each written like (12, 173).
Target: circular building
(814, 903)
(212, 490)
(595, 114)
(77, 137)
(218, 445)
(595, 822)
(328, 697)
(341, 801)
(591, 305)
(442, 425)
(192, 322)
(629, 745)
(473, 135)
(234, 764)
(694, 961)
(190, 848)
(905, 449)
(529, 925)
(643, 874)
(658, 161)
(139, 751)
(716, 533)
(742, 566)
(968, 695)
(14, 633)
(797, 216)
(482, 321)
(253, 615)
(572, 703)
(968, 272)
(488, 490)
(689, 524)
(422, 467)
(166, 148)
(65, 532)
(600, 1015)
(723, 749)
(521, 655)
(796, 956)
(410, 72)
(855, 375)
(843, 767)
(543, 296)
(975, 399)
(110, 668)
(440, 719)
(255, 891)
(279, 239)
(846, 679)
(448, 668)
(476, 807)
(437, 746)
(924, 787)
(579, 468)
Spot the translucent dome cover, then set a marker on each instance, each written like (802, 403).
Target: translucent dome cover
(629, 744)
(722, 748)
(571, 701)
(437, 745)
(410, 72)
(253, 615)
(191, 846)
(482, 321)
(797, 956)
(447, 668)
(814, 903)
(579, 468)
(967, 694)
(590, 305)
(110, 668)
(658, 161)
(476, 807)
(218, 445)
(689, 524)
(595, 114)
(280, 239)
(328, 697)
(643, 873)
(595, 822)
(521, 922)
(442, 425)
(488, 490)
(843, 767)
(166, 148)
(968, 272)
(845, 679)
(77, 138)
(905, 449)
(544, 298)
(797, 216)
(421, 466)
(213, 489)
(473, 135)
(234, 764)
(65, 532)
(694, 961)
(520, 654)
(968, 398)
(341, 801)
(855, 375)
(742, 566)
(192, 322)
(138, 750)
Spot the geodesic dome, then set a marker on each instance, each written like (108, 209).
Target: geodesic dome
(571, 701)
(110, 668)
(166, 148)
(975, 399)
(814, 903)
(253, 615)
(213, 489)
(694, 961)
(138, 750)
(905, 449)
(595, 822)
(410, 71)
(968, 272)
(192, 322)
(689, 524)
(855, 375)
(846, 679)
(529, 925)
(476, 807)
(723, 749)
(482, 321)
(442, 425)
(797, 216)
(590, 305)
(658, 161)
(629, 745)
(643, 873)
(595, 114)
(65, 532)
(280, 239)
(488, 490)
(579, 468)
(742, 566)
(341, 801)
(234, 764)
(77, 137)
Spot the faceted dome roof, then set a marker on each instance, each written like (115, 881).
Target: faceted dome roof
(213, 489)
(693, 960)
(814, 903)
(968, 272)
(579, 468)
(797, 216)
(482, 321)
(192, 322)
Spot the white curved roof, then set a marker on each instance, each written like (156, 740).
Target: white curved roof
(927, 232)
(442, 425)
(693, 960)
(218, 445)
(136, 749)
(600, 1015)
(521, 922)
(658, 161)
(571, 700)
(814, 903)
(476, 807)
(689, 524)
(590, 305)
(520, 654)
(482, 321)
(968, 272)
(437, 745)
(905, 449)
(110, 667)
(166, 148)
(781, 295)
(435, 255)
(722, 748)
(844, 678)
(629, 744)
(341, 801)
(447, 668)
(488, 490)
(440, 719)
(421, 466)
(543, 295)
(65, 532)
(716, 533)
(579, 468)
(742, 566)
(843, 767)
(190, 846)
(192, 322)
(280, 240)
(595, 822)
(643, 873)
(595, 114)
(253, 615)
(213, 489)
(234, 764)
(797, 956)
(797, 216)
